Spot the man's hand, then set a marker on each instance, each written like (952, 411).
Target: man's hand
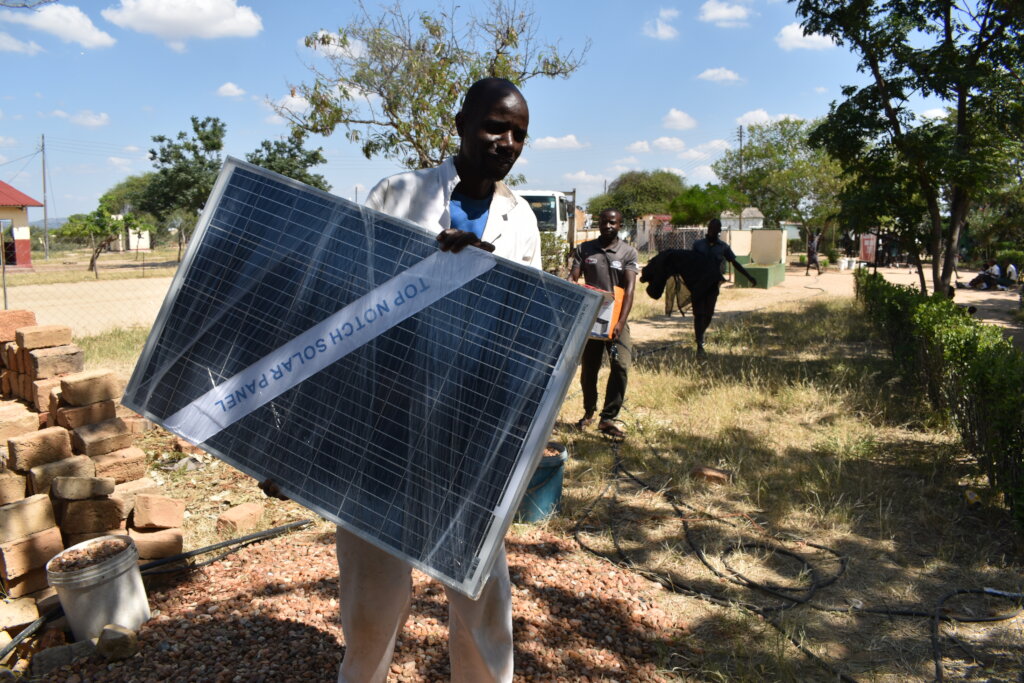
(271, 489)
(456, 240)
(617, 330)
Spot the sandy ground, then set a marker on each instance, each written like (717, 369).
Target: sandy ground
(994, 307)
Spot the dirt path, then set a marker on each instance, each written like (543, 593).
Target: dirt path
(994, 307)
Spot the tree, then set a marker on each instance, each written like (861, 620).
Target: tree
(288, 157)
(698, 205)
(394, 82)
(187, 167)
(967, 54)
(638, 193)
(101, 229)
(782, 175)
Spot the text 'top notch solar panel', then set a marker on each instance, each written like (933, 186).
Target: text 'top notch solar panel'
(402, 392)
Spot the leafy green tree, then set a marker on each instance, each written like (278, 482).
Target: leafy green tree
(638, 193)
(782, 175)
(101, 229)
(698, 205)
(288, 157)
(966, 53)
(393, 82)
(187, 167)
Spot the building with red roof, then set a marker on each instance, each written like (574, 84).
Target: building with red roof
(14, 206)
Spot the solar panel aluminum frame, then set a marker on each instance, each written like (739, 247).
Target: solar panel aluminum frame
(138, 390)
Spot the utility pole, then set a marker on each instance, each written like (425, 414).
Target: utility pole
(46, 215)
(357, 194)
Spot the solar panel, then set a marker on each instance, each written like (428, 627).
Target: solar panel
(399, 391)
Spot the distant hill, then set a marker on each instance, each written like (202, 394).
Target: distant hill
(54, 223)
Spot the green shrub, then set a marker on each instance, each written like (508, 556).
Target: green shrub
(554, 254)
(972, 375)
(1014, 256)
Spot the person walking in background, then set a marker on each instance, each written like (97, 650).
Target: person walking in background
(606, 263)
(704, 306)
(813, 242)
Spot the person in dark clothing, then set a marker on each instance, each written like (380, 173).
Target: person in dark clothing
(606, 263)
(813, 242)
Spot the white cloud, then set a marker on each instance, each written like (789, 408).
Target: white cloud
(660, 28)
(229, 89)
(678, 120)
(67, 22)
(90, 119)
(705, 150)
(60, 114)
(522, 161)
(761, 116)
(583, 177)
(120, 163)
(639, 147)
(702, 175)
(719, 74)
(564, 142)
(821, 90)
(132, 149)
(628, 160)
(175, 22)
(937, 113)
(7, 142)
(792, 37)
(3, 159)
(667, 144)
(724, 14)
(671, 169)
(9, 43)
(296, 104)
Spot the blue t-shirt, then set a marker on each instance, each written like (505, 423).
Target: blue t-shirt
(469, 214)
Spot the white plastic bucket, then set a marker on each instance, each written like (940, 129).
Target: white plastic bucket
(108, 592)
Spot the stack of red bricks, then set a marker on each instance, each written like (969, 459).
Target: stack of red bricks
(70, 471)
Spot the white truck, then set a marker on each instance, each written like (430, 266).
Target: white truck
(556, 212)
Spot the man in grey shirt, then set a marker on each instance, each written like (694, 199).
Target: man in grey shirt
(606, 263)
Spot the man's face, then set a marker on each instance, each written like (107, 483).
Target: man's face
(609, 224)
(492, 135)
(713, 232)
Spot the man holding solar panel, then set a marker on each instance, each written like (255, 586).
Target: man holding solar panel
(466, 198)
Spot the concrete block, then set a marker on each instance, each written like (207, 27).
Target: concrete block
(126, 464)
(5, 383)
(38, 448)
(25, 517)
(42, 336)
(138, 424)
(153, 545)
(10, 321)
(18, 613)
(126, 493)
(157, 512)
(91, 386)
(11, 355)
(75, 539)
(56, 360)
(13, 486)
(39, 477)
(16, 419)
(83, 516)
(81, 488)
(102, 437)
(73, 417)
(22, 555)
(240, 519)
(31, 582)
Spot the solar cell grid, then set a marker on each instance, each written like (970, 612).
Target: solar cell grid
(420, 439)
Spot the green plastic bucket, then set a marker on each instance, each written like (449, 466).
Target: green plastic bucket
(544, 493)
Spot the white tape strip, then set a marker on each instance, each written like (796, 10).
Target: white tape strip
(358, 323)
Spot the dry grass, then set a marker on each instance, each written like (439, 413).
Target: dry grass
(824, 447)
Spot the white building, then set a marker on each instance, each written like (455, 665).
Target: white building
(753, 219)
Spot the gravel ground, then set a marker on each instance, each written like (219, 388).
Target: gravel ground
(269, 613)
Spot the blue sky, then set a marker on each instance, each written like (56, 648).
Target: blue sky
(665, 85)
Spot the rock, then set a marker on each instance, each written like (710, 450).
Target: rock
(240, 520)
(711, 475)
(117, 642)
(51, 659)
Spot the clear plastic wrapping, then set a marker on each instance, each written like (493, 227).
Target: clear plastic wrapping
(404, 393)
